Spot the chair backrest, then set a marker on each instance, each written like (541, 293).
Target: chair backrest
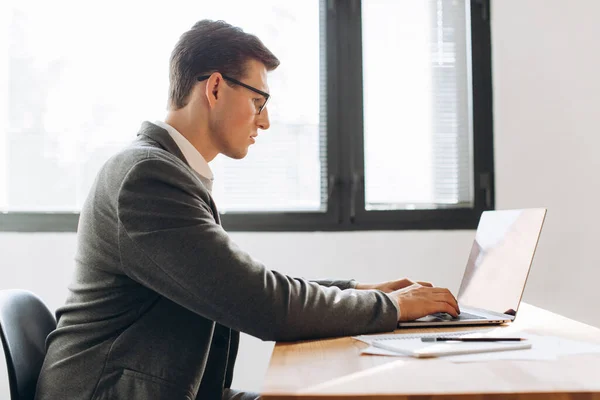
(25, 322)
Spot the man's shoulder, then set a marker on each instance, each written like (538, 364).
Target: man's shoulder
(141, 150)
(144, 161)
(141, 153)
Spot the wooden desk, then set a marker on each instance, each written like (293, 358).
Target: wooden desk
(334, 368)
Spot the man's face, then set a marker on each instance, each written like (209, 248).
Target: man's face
(236, 123)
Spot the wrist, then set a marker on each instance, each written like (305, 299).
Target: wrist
(364, 286)
(396, 301)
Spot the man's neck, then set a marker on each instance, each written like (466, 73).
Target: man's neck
(196, 134)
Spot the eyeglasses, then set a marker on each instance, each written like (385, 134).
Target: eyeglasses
(259, 107)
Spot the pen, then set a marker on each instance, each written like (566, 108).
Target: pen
(480, 339)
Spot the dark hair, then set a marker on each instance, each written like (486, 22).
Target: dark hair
(212, 46)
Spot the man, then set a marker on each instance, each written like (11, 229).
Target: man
(160, 291)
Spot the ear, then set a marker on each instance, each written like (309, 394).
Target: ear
(213, 89)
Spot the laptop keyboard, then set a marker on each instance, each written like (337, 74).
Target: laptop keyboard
(461, 317)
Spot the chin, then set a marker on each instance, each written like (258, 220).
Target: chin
(238, 154)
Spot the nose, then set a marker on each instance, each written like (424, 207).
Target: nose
(262, 119)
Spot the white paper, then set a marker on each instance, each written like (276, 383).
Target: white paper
(527, 354)
(418, 348)
(543, 348)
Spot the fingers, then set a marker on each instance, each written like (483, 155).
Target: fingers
(405, 282)
(419, 300)
(454, 302)
(447, 308)
(426, 284)
(447, 297)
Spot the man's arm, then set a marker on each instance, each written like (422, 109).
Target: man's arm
(169, 242)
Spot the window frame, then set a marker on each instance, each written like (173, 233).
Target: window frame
(345, 146)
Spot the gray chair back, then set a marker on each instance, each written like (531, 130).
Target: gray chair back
(25, 322)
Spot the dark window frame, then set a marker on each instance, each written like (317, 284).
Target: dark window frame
(345, 155)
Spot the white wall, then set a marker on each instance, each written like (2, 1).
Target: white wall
(547, 94)
(546, 89)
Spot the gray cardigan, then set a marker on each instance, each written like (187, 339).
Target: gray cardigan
(160, 291)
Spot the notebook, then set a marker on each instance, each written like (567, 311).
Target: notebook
(418, 348)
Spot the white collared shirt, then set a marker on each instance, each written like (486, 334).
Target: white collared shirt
(191, 154)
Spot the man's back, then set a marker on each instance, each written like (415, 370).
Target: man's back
(154, 271)
(115, 334)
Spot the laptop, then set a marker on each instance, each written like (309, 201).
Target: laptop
(496, 271)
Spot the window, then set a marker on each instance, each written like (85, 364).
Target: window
(380, 116)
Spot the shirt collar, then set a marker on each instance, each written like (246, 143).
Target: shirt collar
(191, 154)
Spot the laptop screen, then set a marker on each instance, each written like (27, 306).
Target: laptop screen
(499, 262)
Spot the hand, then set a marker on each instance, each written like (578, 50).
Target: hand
(391, 286)
(416, 301)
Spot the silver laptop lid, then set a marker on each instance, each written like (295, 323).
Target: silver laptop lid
(500, 259)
